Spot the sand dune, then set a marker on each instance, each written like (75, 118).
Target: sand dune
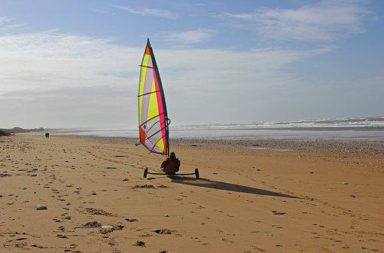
(77, 194)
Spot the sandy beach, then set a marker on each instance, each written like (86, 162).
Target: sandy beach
(287, 198)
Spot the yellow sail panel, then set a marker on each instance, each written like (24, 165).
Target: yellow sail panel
(153, 107)
(153, 120)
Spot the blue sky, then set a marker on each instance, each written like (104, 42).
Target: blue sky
(75, 63)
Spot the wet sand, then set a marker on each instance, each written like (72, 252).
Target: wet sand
(290, 198)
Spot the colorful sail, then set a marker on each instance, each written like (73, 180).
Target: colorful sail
(153, 119)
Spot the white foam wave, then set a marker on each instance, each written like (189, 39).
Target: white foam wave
(368, 122)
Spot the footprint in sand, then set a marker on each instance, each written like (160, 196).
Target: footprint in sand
(62, 236)
(259, 249)
(95, 211)
(278, 213)
(163, 231)
(145, 186)
(132, 220)
(38, 246)
(139, 244)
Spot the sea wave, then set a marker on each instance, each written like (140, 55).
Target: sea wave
(366, 122)
(369, 128)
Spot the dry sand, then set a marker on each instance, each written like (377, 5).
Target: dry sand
(248, 200)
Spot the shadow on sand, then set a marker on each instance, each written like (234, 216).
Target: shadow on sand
(206, 183)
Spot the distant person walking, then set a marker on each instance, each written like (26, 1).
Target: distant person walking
(47, 135)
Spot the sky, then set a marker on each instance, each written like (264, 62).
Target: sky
(68, 64)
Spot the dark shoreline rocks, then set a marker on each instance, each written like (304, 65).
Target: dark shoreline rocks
(16, 130)
(4, 133)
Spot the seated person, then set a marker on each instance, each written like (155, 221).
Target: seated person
(171, 165)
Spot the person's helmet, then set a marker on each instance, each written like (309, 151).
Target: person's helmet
(172, 155)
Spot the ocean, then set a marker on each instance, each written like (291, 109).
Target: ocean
(368, 128)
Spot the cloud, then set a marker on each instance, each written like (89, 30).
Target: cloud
(4, 20)
(8, 26)
(188, 37)
(321, 21)
(149, 12)
(48, 78)
(55, 79)
(51, 60)
(48, 60)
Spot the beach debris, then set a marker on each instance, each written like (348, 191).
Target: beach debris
(166, 215)
(73, 246)
(110, 168)
(146, 235)
(106, 229)
(125, 179)
(278, 213)
(163, 251)
(353, 195)
(139, 244)
(20, 244)
(131, 220)
(41, 207)
(118, 227)
(96, 211)
(163, 231)
(345, 183)
(90, 224)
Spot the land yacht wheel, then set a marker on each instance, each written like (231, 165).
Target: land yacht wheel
(197, 174)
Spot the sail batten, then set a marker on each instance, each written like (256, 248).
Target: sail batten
(153, 119)
(150, 119)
